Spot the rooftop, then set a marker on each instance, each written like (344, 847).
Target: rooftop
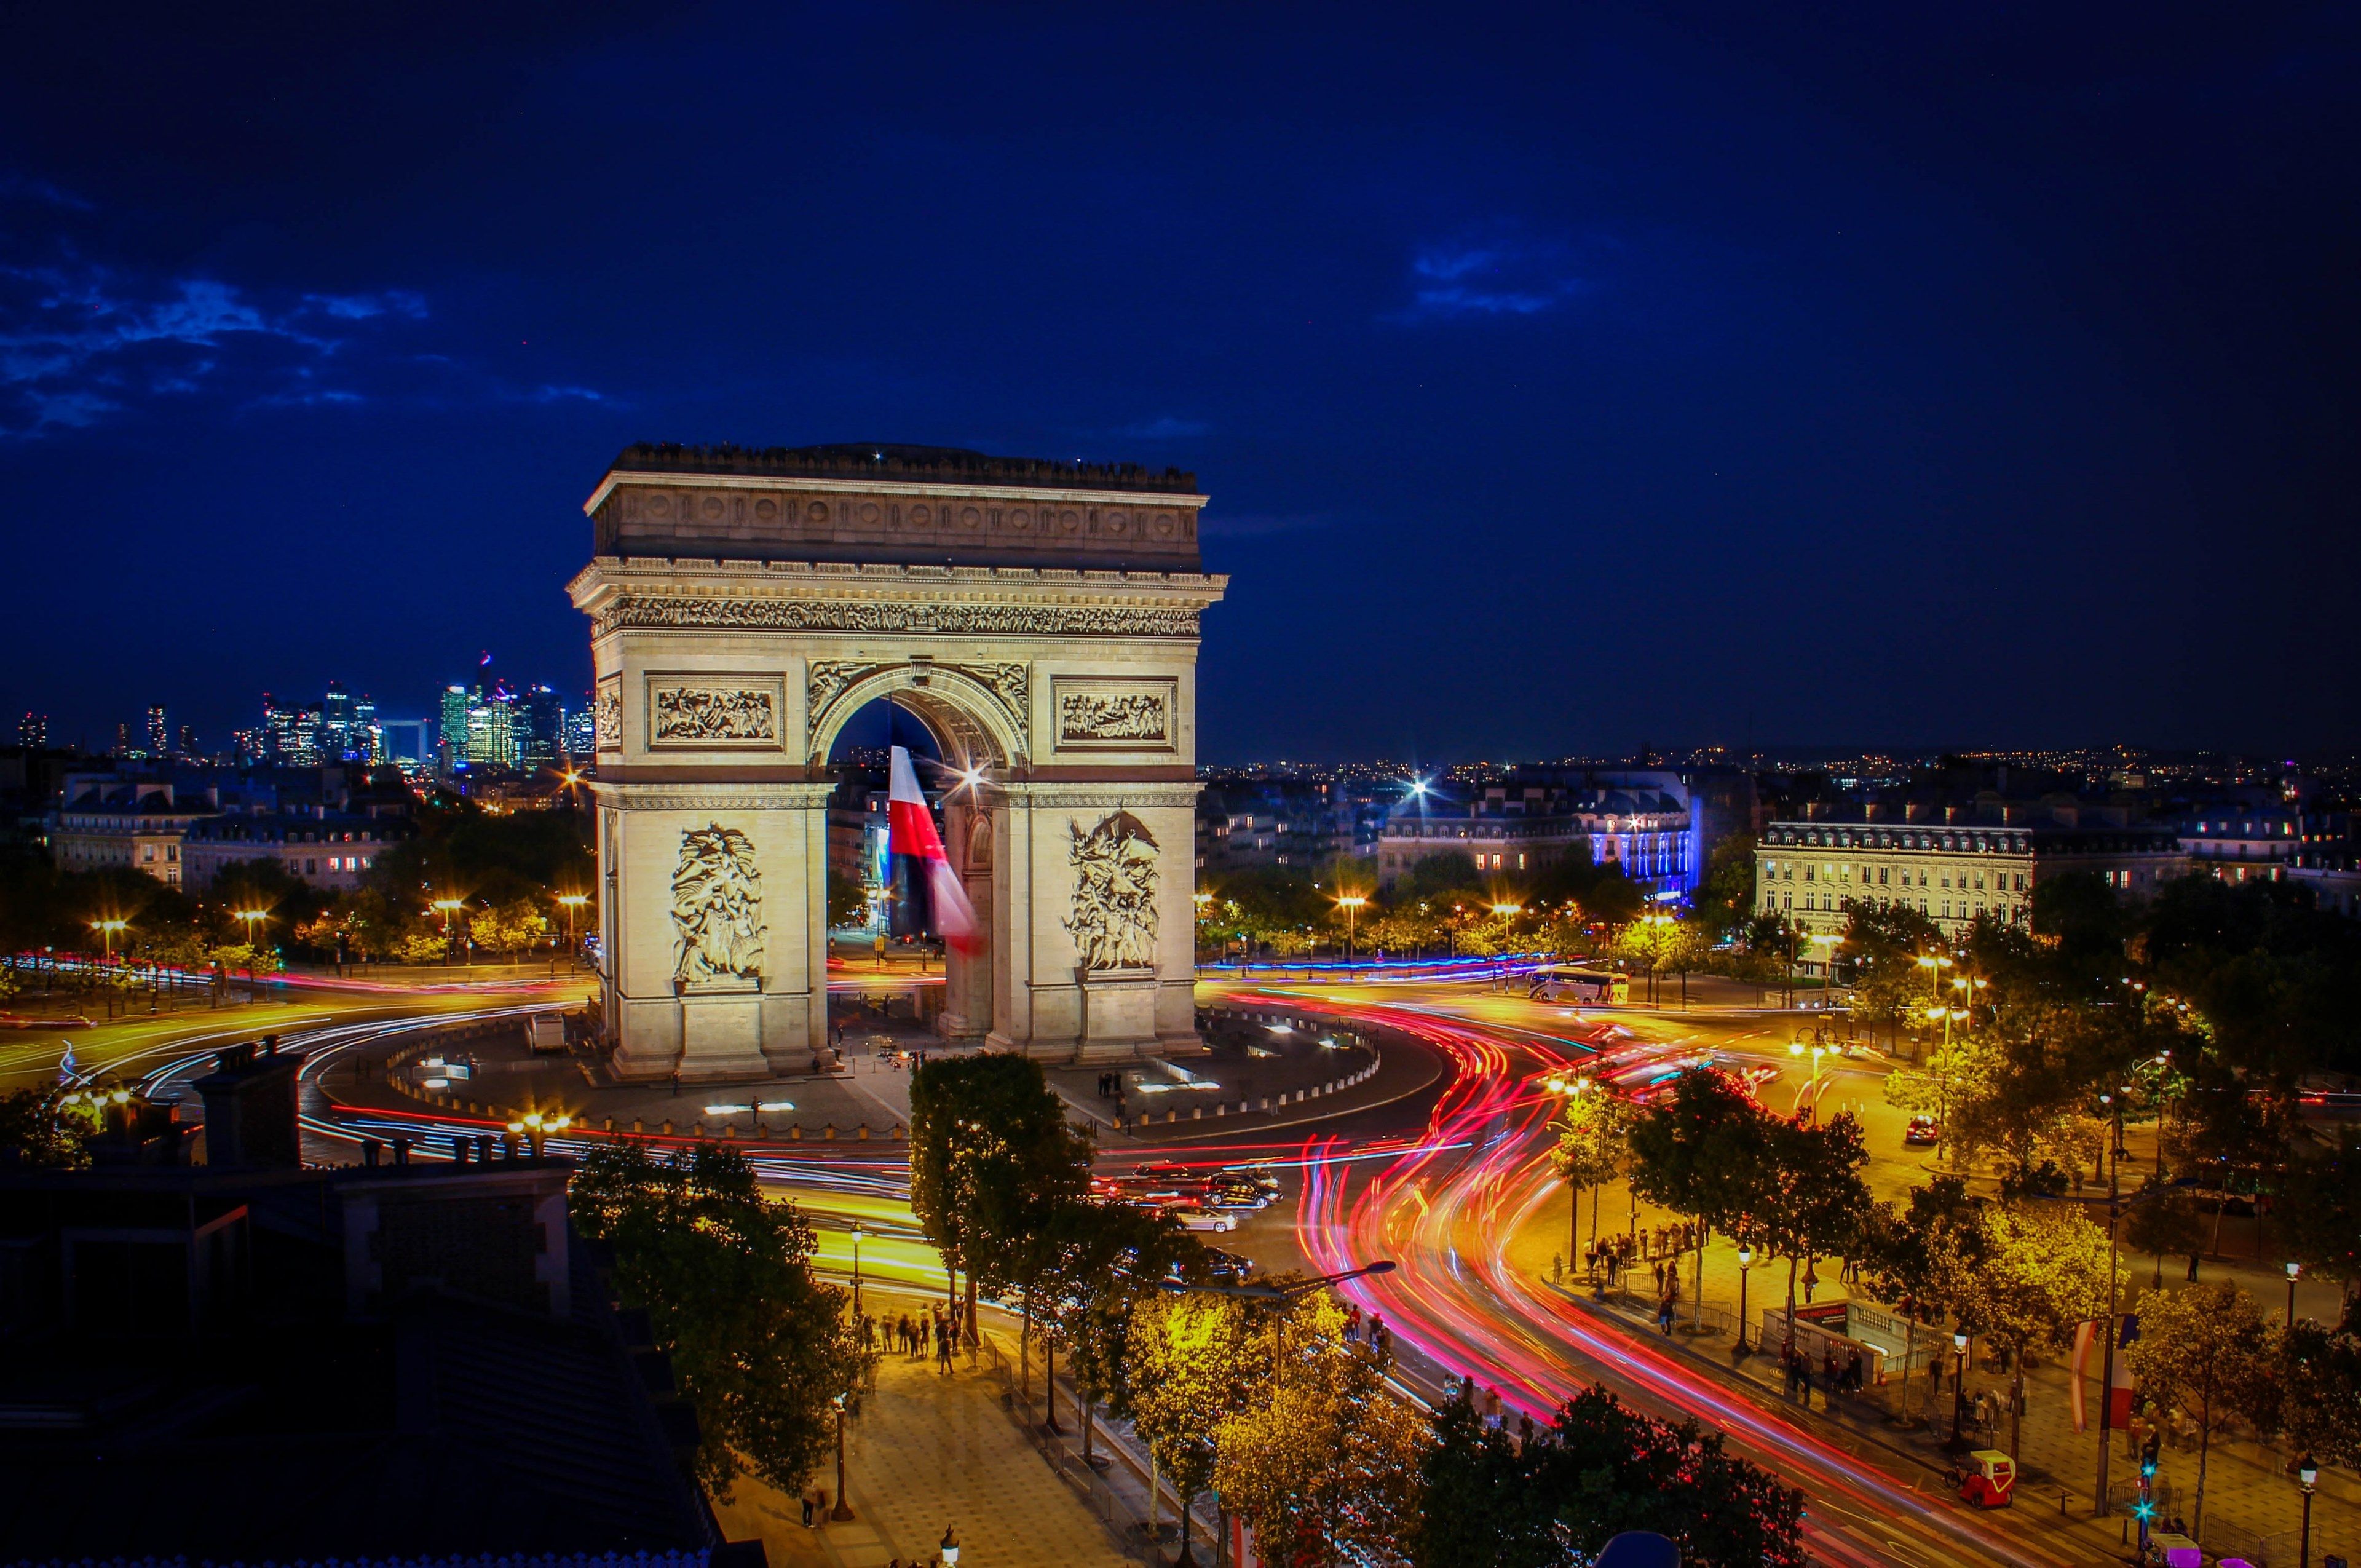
(906, 465)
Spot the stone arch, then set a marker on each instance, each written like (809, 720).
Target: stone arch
(974, 719)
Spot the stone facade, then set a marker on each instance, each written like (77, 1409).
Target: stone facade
(725, 666)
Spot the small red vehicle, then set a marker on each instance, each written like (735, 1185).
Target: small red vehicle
(1989, 1479)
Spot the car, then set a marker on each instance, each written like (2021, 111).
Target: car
(1228, 1266)
(1196, 1217)
(1163, 1170)
(1261, 1175)
(1921, 1133)
(1227, 1192)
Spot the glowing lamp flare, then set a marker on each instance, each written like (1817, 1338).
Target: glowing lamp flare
(913, 834)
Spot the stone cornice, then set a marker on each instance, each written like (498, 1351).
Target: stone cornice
(1097, 797)
(712, 798)
(1062, 495)
(1042, 585)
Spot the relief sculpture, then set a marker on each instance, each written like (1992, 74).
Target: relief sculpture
(608, 714)
(1113, 920)
(717, 907)
(707, 713)
(1112, 715)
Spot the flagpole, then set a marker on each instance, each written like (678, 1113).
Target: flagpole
(2107, 1379)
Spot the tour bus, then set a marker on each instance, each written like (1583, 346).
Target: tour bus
(1560, 983)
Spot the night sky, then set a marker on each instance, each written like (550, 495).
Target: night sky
(1566, 380)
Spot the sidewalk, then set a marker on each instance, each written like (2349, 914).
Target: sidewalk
(930, 1451)
(2252, 1507)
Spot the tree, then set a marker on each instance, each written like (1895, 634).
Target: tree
(2319, 1213)
(509, 928)
(1811, 1200)
(1702, 1151)
(1096, 1261)
(1593, 1145)
(848, 902)
(761, 1348)
(37, 1130)
(2163, 1219)
(1601, 1468)
(2325, 1362)
(1486, 1503)
(1724, 900)
(1324, 1459)
(1903, 1253)
(2203, 1348)
(2023, 1279)
(1190, 1360)
(990, 1153)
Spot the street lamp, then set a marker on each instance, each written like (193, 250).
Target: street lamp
(1745, 1265)
(2294, 1273)
(856, 1268)
(447, 906)
(571, 902)
(2307, 1473)
(1959, 1382)
(1797, 1048)
(843, 1512)
(107, 930)
(1350, 903)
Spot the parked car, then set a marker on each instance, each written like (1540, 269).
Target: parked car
(1922, 1133)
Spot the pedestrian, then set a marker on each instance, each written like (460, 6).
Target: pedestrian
(811, 1513)
(1493, 1408)
(1665, 1315)
(1804, 1381)
(1811, 1279)
(943, 1347)
(1557, 1269)
(1828, 1361)
(1854, 1379)
(1524, 1430)
(676, 1083)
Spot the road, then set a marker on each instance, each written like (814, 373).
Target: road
(1442, 1183)
(1445, 1192)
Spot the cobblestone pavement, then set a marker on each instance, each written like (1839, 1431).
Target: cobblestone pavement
(2253, 1505)
(931, 1449)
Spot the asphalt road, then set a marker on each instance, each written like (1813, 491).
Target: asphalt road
(1442, 1185)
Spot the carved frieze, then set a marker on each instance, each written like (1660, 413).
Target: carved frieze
(633, 611)
(1114, 919)
(1116, 715)
(713, 712)
(607, 714)
(717, 907)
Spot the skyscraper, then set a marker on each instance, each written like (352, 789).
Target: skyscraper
(335, 741)
(188, 740)
(451, 729)
(159, 733)
(33, 729)
(368, 735)
(290, 736)
(540, 716)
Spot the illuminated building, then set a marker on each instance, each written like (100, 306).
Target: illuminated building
(33, 730)
(1950, 864)
(159, 732)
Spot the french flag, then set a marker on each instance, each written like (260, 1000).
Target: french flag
(912, 833)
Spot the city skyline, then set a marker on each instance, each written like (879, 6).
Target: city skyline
(1659, 380)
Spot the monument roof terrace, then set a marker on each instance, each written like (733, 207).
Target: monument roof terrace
(900, 465)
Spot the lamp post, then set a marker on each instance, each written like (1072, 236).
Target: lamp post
(1959, 1383)
(571, 902)
(447, 906)
(252, 918)
(1797, 1048)
(2307, 1473)
(1350, 904)
(1745, 1265)
(107, 930)
(856, 1268)
(2294, 1273)
(843, 1512)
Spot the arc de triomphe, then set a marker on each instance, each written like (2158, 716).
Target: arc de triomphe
(1040, 618)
